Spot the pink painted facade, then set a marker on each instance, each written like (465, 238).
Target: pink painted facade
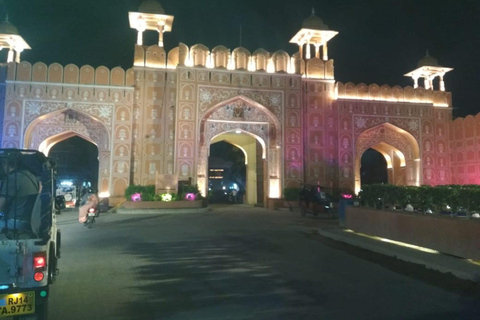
(160, 116)
(465, 150)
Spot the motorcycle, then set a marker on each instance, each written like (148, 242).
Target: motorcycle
(89, 210)
(91, 215)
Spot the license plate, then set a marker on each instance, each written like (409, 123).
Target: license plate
(91, 214)
(16, 304)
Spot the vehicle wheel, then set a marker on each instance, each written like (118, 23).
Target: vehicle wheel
(52, 267)
(59, 244)
(303, 211)
(41, 311)
(89, 222)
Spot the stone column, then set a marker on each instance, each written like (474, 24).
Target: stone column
(325, 52)
(140, 37)
(160, 35)
(317, 50)
(10, 55)
(442, 83)
(17, 56)
(427, 83)
(415, 82)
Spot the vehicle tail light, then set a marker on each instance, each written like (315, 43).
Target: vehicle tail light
(38, 276)
(39, 261)
(91, 210)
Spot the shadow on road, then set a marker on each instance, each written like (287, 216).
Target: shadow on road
(210, 280)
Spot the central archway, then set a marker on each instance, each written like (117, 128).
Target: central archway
(253, 147)
(243, 115)
(400, 150)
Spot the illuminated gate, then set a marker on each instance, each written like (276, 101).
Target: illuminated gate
(242, 115)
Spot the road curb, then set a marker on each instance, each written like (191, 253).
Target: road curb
(162, 211)
(440, 262)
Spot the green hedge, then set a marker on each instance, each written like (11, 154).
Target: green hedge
(457, 197)
(184, 189)
(148, 192)
(334, 194)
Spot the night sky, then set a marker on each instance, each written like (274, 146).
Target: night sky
(378, 41)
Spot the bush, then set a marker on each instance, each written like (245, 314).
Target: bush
(147, 192)
(459, 198)
(184, 189)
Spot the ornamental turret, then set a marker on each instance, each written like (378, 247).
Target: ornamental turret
(150, 16)
(314, 32)
(428, 69)
(11, 40)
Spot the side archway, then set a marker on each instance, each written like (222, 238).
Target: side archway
(400, 149)
(47, 130)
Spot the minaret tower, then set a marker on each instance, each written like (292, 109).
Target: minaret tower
(10, 39)
(314, 32)
(428, 69)
(151, 16)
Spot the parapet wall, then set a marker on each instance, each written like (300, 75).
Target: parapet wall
(465, 150)
(70, 74)
(374, 92)
(239, 59)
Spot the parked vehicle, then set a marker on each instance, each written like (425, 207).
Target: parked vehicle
(314, 200)
(29, 256)
(60, 204)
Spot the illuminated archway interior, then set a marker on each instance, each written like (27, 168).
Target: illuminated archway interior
(383, 163)
(399, 149)
(77, 159)
(374, 167)
(254, 151)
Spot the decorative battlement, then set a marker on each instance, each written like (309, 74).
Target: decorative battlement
(374, 92)
(239, 59)
(70, 74)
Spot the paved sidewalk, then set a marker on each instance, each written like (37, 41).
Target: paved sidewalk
(459, 267)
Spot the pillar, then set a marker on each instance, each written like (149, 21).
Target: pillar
(160, 35)
(10, 55)
(300, 50)
(427, 83)
(325, 52)
(415, 82)
(317, 50)
(442, 83)
(307, 55)
(140, 37)
(17, 56)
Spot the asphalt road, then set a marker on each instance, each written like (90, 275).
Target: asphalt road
(235, 262)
